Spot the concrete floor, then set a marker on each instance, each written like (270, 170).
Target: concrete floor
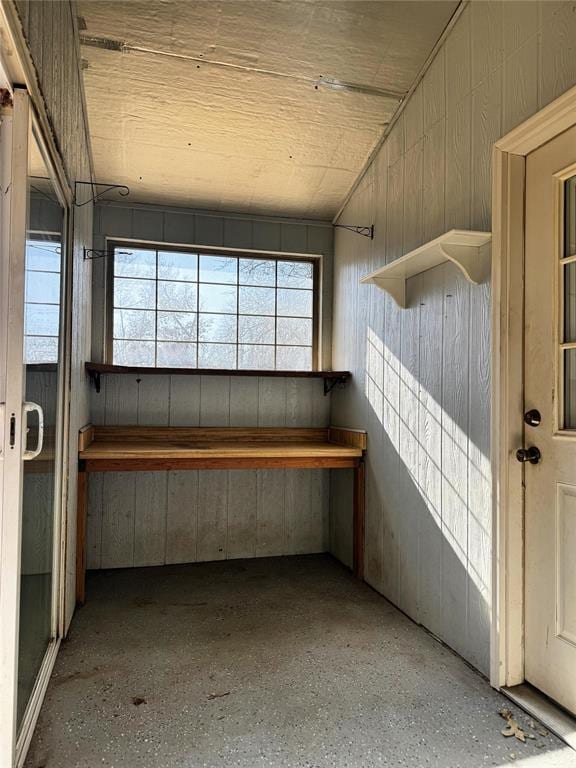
(278, 662)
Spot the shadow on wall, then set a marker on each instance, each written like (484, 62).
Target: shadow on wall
(434, 540)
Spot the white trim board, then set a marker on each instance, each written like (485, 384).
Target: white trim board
(555, 118)
(508, 188)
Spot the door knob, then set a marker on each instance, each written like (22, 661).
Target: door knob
(533, 417)
(531, 455)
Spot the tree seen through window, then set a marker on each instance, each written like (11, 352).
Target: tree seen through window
(184, 309)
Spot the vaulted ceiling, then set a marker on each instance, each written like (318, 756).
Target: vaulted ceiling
(266, 106)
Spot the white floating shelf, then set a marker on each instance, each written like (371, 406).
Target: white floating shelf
(470, 251)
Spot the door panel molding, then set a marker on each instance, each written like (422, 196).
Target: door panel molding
(564, 491)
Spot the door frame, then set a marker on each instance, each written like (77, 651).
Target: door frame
(17, 131)
(34, 705)
(14, 134)
(508, 192)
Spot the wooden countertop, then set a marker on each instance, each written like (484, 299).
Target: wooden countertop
(217, 449)
(115, 448)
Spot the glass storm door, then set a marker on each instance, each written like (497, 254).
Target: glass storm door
(43, 348)
(550, 432)
(32, 370)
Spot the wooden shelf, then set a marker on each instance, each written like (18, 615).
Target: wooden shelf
(331, 378)
(468, 250)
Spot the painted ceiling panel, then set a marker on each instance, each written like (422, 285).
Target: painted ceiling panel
(262, 107)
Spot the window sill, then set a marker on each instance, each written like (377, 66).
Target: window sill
(331, 378)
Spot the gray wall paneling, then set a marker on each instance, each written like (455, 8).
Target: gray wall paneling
(422, 375)
(152, 518)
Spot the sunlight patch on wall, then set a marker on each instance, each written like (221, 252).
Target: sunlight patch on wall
(441, 460)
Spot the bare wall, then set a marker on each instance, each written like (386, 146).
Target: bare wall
(421, 375)
(139, 519)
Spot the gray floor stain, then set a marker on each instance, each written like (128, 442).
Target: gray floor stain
(271, 662)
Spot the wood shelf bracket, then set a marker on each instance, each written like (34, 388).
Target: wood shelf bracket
(95, 379)
(329, 384)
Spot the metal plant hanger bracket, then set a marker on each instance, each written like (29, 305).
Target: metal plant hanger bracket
(123, 191)
(367, 231)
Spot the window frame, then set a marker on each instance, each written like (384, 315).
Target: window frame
(237, 253)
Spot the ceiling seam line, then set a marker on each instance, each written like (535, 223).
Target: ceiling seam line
(329, 82)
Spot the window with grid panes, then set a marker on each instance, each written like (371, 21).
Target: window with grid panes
(179, 308)
(42, 303)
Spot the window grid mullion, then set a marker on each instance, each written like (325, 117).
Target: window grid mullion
(237, 310)
(156, 318)
(276, 316)
(197, 310)
(235, 313)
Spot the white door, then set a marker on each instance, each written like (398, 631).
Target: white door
(550, 404)
(32, 371)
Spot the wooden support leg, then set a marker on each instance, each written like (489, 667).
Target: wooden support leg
(358, 519)
(81, 535)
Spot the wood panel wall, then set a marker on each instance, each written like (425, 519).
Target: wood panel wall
(155, 518)
(50, 31)
(152, 518)
(421, 382)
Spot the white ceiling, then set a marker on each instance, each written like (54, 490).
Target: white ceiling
(235, 106)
